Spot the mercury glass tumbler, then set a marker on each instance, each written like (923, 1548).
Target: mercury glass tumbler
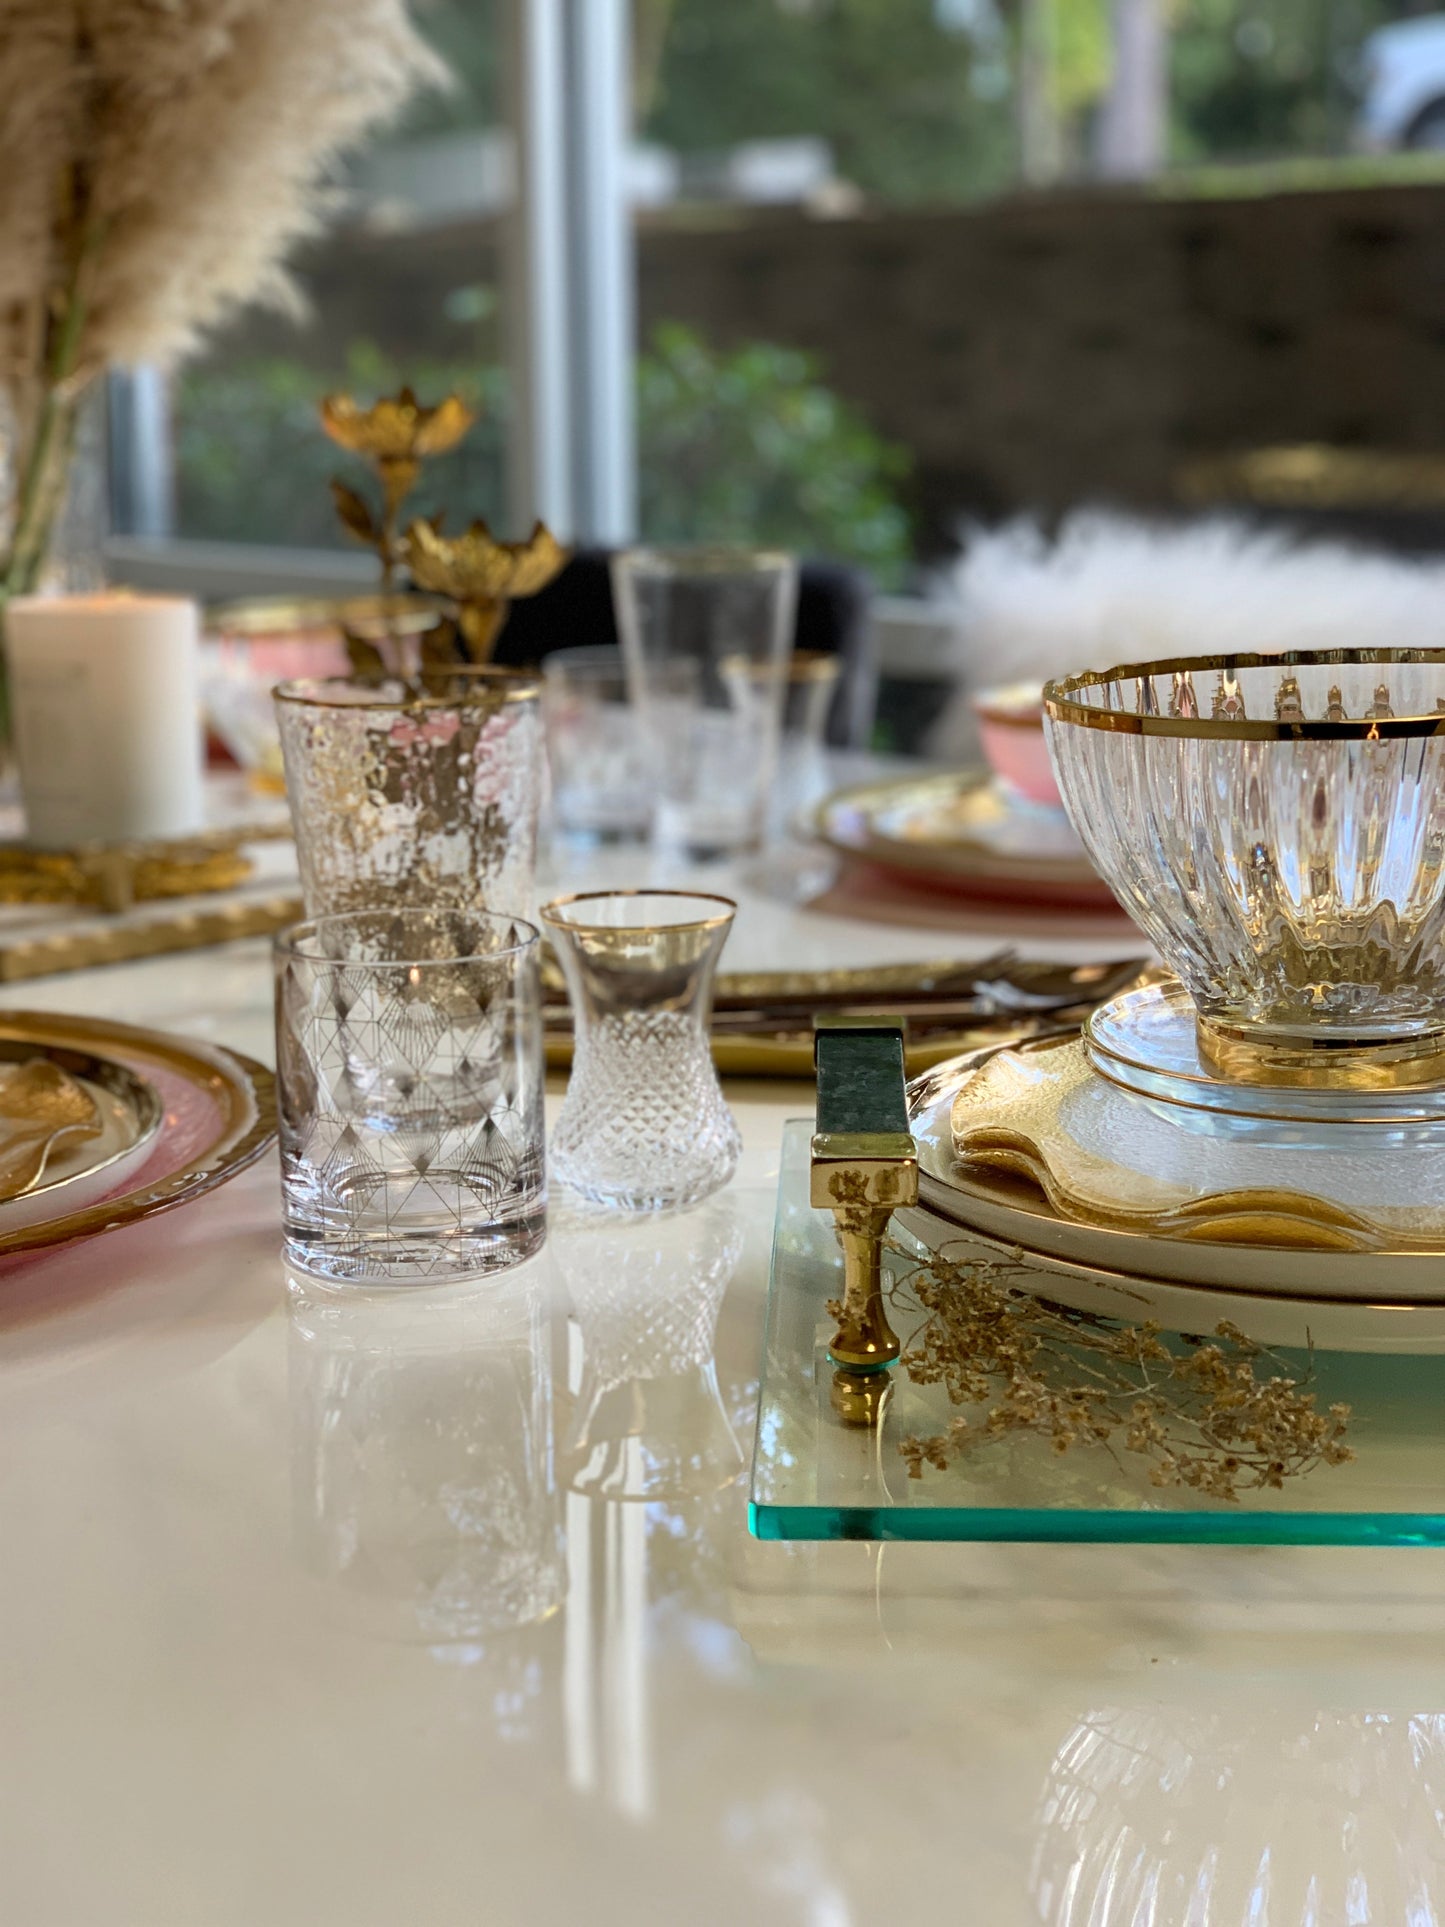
(644, 1125)
(409, 1076)
(414, 796)
(1276, 826)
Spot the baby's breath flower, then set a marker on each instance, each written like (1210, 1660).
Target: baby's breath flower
(1198, 1410)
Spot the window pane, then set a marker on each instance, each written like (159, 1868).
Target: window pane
(876, 304)
(404, 287)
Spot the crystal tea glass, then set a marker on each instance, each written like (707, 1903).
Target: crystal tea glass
(414, 796)
(715, 756)
(1276, 826)
(602, 788)
(409, 1080)
(644, 1124)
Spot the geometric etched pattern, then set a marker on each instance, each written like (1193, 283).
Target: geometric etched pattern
(411, 1115)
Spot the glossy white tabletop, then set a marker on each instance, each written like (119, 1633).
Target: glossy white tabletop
(251, 1673)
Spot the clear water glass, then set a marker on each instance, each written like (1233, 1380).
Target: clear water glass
(414, 796)
(794, 867)
(698, 613)
(644, 1125)
(602, 788)
(409, 1074)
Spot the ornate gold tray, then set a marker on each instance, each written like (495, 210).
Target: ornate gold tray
(220, 1116)
(959, 832)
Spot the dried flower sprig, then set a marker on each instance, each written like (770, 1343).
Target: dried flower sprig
(1205, 1415)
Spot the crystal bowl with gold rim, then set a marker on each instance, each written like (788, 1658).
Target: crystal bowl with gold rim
(1276, 826)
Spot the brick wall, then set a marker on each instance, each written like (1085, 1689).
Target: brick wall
(1038, 352)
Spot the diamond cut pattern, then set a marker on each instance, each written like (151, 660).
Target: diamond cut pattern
(411, 1115)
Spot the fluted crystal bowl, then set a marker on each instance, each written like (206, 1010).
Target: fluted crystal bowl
(1276, 826)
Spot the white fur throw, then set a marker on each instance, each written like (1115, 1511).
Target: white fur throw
(1109, 589)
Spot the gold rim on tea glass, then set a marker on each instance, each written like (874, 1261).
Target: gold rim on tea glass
(552, 913)
(1062, 704)
(478, 682)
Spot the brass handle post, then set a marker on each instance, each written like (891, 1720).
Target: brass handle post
(864, 1167)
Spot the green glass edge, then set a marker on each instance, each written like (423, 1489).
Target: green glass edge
(1099, 1526)
(1096, 1525)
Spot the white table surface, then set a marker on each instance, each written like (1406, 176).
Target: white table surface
(225, 1700)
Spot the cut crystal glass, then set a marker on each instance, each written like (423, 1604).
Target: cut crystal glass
(645, 1124)
(1277, 828)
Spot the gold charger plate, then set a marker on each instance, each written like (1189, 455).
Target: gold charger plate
(1012, 1212)
(958, 832)
(241, 1095)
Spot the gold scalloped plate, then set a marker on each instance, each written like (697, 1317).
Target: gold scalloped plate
(1382, 1300)
(957, 832)
(220, 1116)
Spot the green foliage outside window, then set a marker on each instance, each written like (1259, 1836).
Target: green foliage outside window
(751, 446)
(748, 445)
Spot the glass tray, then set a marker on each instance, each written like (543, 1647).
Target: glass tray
(815, 1478)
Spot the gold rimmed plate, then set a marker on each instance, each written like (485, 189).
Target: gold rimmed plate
(960, 832)
(217, 1114)
(75, 1169)
(1011, 1211)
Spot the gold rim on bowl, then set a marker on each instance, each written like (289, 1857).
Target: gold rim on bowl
(1061, 705)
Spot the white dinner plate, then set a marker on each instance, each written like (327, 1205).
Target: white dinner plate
(1347, 1301)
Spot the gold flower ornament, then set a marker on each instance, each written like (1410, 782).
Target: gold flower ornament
(475, 572)
(395, 434)
(397, 427)
(481, 574)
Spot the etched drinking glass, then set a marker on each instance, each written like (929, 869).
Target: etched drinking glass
(644, 1125)
(708, 610)
(409, 1076)
(414, 796)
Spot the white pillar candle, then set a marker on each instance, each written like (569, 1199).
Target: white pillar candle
(105, 711)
